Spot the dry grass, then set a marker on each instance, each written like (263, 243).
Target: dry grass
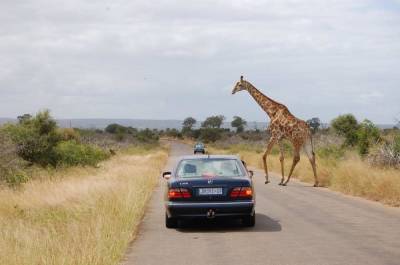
(81, 215)
(350, 175)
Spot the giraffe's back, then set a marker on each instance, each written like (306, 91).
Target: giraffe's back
(287, 126)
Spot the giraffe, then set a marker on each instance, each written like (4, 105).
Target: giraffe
(283, 125)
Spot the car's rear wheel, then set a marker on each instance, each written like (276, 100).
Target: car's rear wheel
(171, 222)
(250, 220)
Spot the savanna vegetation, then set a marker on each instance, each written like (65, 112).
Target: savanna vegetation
(36, 143)
(353, 157)
(79, 215)
(73, 196)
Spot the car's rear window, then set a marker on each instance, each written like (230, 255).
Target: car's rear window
(191, 168)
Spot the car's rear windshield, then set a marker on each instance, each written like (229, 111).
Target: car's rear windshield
(192, 168)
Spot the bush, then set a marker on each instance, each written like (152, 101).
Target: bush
(331, 151)
(17, 178)
(210, 134)
(367, 135)
(115, 128)
(11, 166)
(346, 126)
(71, 153)
(36, 138)
(39, 141)
(149, 136)
(396, 145)
(67, 134)
(387, 155)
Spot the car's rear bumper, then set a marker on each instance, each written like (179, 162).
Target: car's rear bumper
(200, 209)
(199, 151)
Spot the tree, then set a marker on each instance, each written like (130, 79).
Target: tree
(24, 118)
(347, 126)
(314, 124)
(188, 123)
(238, 123)
(187, 126)
(367, 135)
(115, 128)
(213, 122)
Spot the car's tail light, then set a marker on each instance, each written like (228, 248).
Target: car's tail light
(178, 193)
(242, 192)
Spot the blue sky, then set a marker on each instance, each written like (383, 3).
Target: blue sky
(173, 59)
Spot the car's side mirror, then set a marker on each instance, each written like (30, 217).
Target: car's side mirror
(251, 173)
(167, 175)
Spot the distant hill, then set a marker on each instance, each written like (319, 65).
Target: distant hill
(143, 123)
(5, 120)
(135, 123)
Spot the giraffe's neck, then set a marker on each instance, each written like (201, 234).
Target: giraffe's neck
(266, 103)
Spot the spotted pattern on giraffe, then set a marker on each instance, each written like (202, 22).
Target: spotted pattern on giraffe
(283, 125)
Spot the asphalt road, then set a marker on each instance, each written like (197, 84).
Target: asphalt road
(297, 224)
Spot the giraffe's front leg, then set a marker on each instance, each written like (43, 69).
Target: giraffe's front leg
(267, 151)
(282, 160)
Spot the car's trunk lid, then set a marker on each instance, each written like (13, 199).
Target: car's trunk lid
(211, 188)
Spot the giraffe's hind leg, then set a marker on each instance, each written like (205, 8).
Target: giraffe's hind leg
(270, 144)
(296, 159)
(282, 160)
(311, 157)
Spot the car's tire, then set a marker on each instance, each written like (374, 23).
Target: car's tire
(249, 221)
(171, 222)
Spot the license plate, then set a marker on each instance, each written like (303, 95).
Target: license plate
(210, 191)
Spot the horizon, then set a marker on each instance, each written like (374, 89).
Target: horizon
(85, 58)
(101, 123)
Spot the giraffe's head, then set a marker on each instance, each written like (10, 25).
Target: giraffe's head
(240, 85)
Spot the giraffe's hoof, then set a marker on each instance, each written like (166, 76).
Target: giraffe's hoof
(280, 183)
(316, 185)
(267, 181)
(284, 184)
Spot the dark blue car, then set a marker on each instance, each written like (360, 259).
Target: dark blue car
(199, 148)
(209, 186)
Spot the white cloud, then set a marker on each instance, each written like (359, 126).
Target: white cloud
(167, 59)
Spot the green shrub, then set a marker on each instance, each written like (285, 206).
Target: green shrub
(36, 138)
(39, 141)
(115, 128)
(17, 178)
(169, 133)
(396, 145)
(67, 134)
(149, 136)
(330, 152)
(346, 126)
(71, 153)
(367, 135)
(11, 166)
(210, 134)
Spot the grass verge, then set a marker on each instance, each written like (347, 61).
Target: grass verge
(349, 175)
(79, 215)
